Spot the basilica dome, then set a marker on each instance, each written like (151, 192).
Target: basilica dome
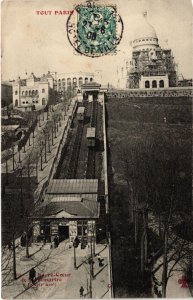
(145, 35)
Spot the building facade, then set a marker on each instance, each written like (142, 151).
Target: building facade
(70, 81)
(150, 65)
(33, 92)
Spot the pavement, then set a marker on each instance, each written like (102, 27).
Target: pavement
(56, 276)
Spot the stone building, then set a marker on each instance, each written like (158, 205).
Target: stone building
(70, 81)
(33, 92)
(150, 66)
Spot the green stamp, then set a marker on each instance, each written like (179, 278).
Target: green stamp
(95, 30)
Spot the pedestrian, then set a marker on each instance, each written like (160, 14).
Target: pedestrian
(32, 275)
(56, 241)
(81, 292)
(100, 260)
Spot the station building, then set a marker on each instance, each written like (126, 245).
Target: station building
(70, 208)
(66, 81)
(150, 65)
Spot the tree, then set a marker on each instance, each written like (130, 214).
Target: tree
(40, 145)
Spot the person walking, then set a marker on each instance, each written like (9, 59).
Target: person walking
(32, 275)
(100, 260)
(81, 292)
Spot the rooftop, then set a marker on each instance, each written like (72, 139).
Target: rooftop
(73, 186)
(69, 207)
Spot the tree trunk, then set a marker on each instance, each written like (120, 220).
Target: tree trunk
(6, 170)
(29, 140)
(13, 160)
(49, 150)
(160, 231)
(27, 242)
(75, 258)
(19, 156)
(55, 136)
(41, 161)
(136, 225)
(37, 171)
(14, 258)
(45, 153)
(165, 264)
(52, 136)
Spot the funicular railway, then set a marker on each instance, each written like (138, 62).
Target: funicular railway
(79, 154)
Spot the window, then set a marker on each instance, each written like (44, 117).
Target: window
(29, 93)
(36, 101)
(36, 92)
(23, 102)
(154, 84)
(26, 102)
(80, 81)
(26, 93)
(86, 80)
(43, 101)
(23, 93)
(147, 84)
(16, 92)
(16, 102)
(161, 84)
(82, 228)
(91, 79)
(43, 90)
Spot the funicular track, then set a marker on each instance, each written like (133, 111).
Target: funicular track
(75, 152)
(90, 168)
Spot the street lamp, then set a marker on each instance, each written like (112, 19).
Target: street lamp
(75, 245)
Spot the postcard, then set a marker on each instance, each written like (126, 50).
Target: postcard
(96, 149)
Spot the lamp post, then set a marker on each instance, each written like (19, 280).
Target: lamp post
(75, 245)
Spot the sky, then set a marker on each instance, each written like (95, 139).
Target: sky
(38, 43)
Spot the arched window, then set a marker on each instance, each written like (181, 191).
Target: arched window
(80, 81)
(16, 92)
(154, 84)
(161, 84)
(86, 80)
(36, 92)
(26, 93)
(43, 101)
(16, 102)
(43, 90)
(91, 79)
(29, 93)
(147, 84)
(23, 93)
(68, 81)
(33, 92)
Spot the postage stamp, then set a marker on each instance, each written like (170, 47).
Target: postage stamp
(94, 30)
